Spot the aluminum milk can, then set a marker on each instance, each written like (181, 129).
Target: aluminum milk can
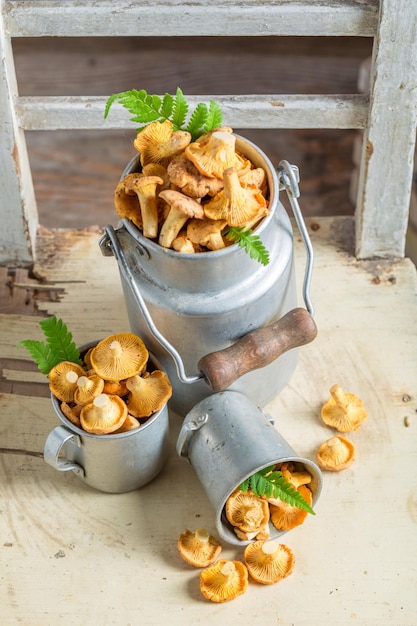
(220, 320)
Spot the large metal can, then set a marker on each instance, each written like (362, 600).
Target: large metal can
(218, 319)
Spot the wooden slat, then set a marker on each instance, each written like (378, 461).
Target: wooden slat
(17, 199)
(389, 140)
(173, 18)
(270, 111)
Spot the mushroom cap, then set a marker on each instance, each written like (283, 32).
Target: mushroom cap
(343, 411)
(181, 243)
(183, 174)
(88, 388)
(115, 387)
(103, 415)
(72, 412)
(246, 511)
(130, 423)
(206, 233)
(214, 155)
(148, 394)
(119, 356)
(182, 203)
(285, 516)
(336, 453)
(268, 562)
(198, 548)
(237, 205)
(157, 142)
(224, 580)
(127, 204)
(63, 380)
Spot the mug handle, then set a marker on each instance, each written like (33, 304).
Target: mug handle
(54, 444)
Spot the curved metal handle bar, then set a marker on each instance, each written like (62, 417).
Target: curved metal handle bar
(120, 256)
(288, 178)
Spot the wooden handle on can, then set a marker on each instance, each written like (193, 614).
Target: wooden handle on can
(258, 348)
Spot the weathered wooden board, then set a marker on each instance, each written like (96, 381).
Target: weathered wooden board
(74, 556)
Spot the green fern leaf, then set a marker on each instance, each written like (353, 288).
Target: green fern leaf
(40, 353)
(180, 110)
(60, 340)
(167, 106)
(214, 117)
(197, 121)
(252, 244)
(270, 483)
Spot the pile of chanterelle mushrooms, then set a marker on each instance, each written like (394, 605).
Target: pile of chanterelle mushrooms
(115, 391)
(188, 194)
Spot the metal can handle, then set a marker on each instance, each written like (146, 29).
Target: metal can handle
(53, 448)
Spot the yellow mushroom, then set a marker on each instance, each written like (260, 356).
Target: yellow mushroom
(215, 154)
(103, 415)
(336, 453)
(237, 205)
(115, 387)
(158, 143)
(127, 204)
(224, 580)
(146, 395)
(145, 189)
(206, 233)
(246, 511)
(268, 561)
(88, 388)
(130, 423)
(198, 548)
(343, 411)
(72, 412)
(184, 175)
(284, 516)
(181, 208)
(119, 356)
(63, 380)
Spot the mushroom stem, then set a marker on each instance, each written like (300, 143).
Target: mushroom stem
(117, 349)
(101, 401)
(339, 397)
(202, 535)
(71, 376)
(228, 569)
(270, 547)
(171, 227)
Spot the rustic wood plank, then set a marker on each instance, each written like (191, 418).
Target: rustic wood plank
(249, 17)
(17, 241)
(66, 532)
(389, 140)
(270, 111)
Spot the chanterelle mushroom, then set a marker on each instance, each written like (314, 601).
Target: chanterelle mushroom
(88, 388)
(104, 415)
(145, 189)
(127, 205)
(198, 548)
(268, 562)
(184, 175)
(236, 204)
(246, 511)
(214, 155)
(343, 411)
(181, 209)
(158, 143)
(147, 395)
(337, 453)
(119, 356)
(206, 233)
(223, 581)
(63, 380)
(284, 516)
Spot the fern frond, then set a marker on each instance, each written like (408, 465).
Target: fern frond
(180, 110)
(214, 117)
(197, 121)
(40, 353)
(60, 341)
(273, 484)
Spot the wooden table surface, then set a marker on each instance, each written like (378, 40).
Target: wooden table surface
(74, 556)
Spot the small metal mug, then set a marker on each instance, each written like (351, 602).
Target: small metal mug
(113, 463)
(227, 438)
